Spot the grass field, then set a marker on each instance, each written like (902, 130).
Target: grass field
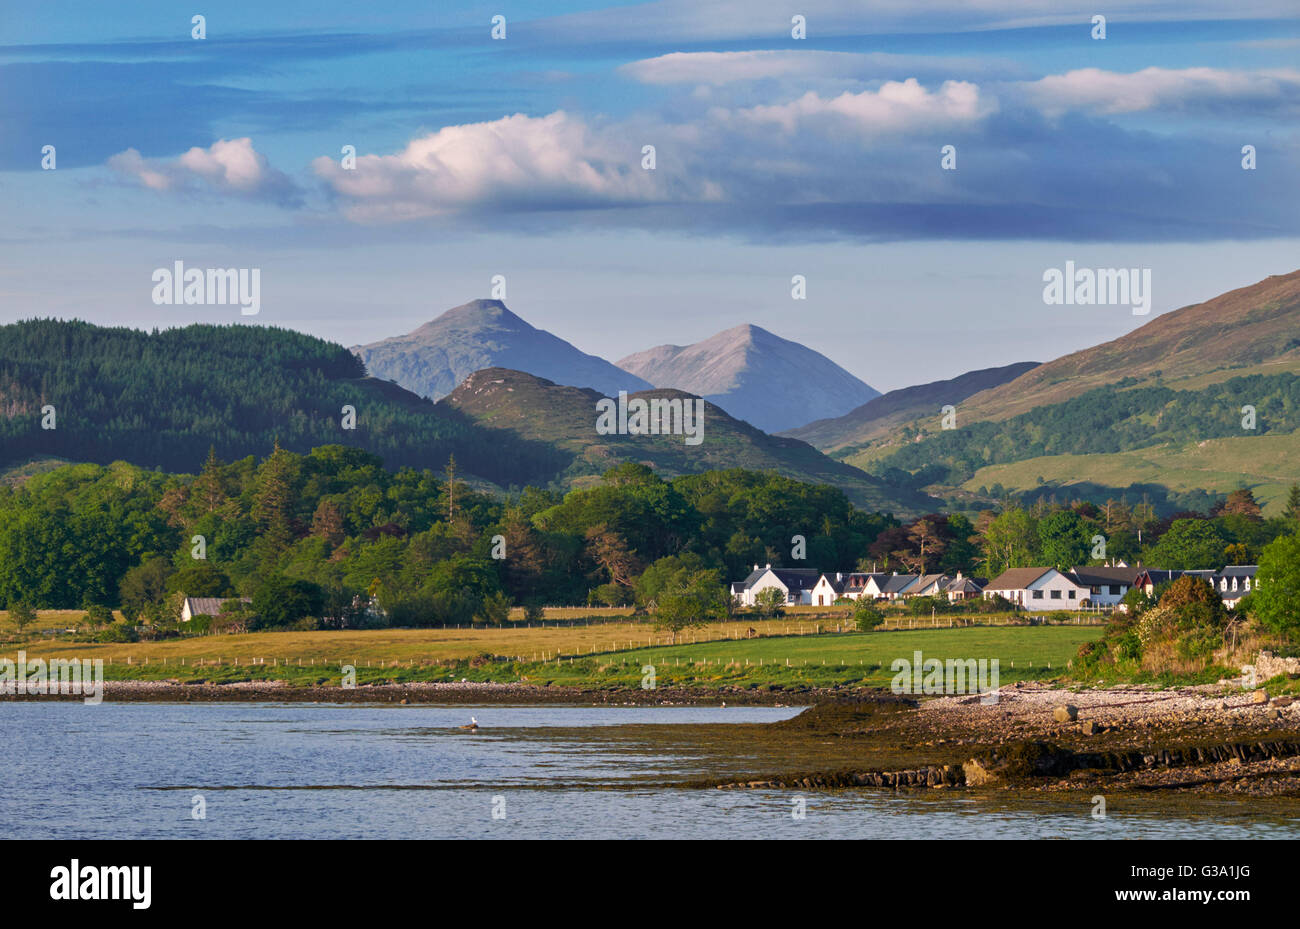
(1265, 463)
(612, 655)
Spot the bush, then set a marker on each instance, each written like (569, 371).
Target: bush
(495, 609)
(97, 616)
(867, 617)
(119, 632)
(770, 603)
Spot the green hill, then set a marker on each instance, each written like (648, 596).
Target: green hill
(519, 405)
(160, 399)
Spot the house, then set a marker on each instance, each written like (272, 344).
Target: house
(1149, 578)
(1234, 582)
(855, 585)
(206, 606)
(1107, 584)
(965, 588)
(928, 585)
(888, 586)
(828, 589)
(795, 584)
(1038, 589)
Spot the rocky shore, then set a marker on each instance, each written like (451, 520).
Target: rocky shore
(1206, 739)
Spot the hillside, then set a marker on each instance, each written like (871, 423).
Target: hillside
(520, 405)
(1257, 325)
(879, 416)
(433, 359)
(1266, 464)
(1118, 416)
(161, 399)
(756, 376)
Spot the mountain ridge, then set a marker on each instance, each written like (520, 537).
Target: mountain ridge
(889, 410)
(510, 401)
(435, 357)
(755, 375)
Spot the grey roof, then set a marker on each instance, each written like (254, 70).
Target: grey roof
(1093, 576)
(210, 606)
(964, 585)
(792, 578)
(897, 582)
(1017, 578)
(925, 580)
(1239, 570)
(858, 579)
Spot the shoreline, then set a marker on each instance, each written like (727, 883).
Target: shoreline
(1205, 739)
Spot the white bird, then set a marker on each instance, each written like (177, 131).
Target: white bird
(473, 724)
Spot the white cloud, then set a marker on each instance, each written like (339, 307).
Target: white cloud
(228, 166)
(517, 161)
(716, 68)
(1160, 88)
(895, 107)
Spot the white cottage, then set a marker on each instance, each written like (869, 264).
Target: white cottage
(1038, 589)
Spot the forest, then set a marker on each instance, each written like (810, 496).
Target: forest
(86, 393)
(322, 537)
(1115, 418)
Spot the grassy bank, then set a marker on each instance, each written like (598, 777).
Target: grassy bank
(401, 656)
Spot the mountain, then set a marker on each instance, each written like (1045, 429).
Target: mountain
(756, 376)
(434, 358)
(1142, 416)
(1254, 329)
(524, 407)
(888, 411)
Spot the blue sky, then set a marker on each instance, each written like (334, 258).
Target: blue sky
(775, 157)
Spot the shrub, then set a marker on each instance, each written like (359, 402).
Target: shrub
(770, 603)
(866, 617)
(119, 632)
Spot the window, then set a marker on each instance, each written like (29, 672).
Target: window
(1038, 595)
(1072, 595)
(1056, 595)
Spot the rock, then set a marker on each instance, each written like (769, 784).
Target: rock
(1283, 701)
(1259, 697)
(1089, 728)
(1066, 713)
(978, 776)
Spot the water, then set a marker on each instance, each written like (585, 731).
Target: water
(329, 771)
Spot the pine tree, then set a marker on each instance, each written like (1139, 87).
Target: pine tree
(1292, 510)
(273, 505)
(210, 487)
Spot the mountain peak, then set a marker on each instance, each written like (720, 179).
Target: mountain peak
(437, 356)
(480, 313)
(756, 375)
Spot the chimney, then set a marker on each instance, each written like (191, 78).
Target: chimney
(768, 566)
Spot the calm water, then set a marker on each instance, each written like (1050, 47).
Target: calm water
(326, 771)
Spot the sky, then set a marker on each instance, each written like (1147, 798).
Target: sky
(774, 156)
